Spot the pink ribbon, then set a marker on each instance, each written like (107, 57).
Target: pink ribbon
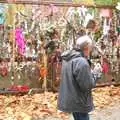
(20, 41)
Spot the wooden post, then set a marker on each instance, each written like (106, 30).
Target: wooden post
(45, 67)
(13, 50)
(45, 77)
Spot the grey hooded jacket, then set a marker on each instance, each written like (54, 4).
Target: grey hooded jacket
(76, 83)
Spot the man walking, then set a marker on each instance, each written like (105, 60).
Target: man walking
(77, 81)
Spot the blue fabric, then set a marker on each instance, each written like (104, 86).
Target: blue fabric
(2, 19)
(80, 116)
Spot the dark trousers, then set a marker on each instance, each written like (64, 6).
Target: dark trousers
(80, 116)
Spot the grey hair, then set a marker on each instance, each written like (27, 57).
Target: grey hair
(84, 41)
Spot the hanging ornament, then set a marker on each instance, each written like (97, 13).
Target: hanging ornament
(82, 11)
(87, 19)
(118, 29)
(43, 72)
(36, 12)
(19, 77)
(44, 11)
(118, 6)
(53, 9)
(49, 10)
(106, 26)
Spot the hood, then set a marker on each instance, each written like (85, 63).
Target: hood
(70, 54)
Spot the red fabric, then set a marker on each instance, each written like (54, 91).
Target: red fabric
(105, 67)
(18, 88)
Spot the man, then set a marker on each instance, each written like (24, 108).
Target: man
(77, 80)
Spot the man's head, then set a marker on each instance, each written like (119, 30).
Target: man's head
(85, 44)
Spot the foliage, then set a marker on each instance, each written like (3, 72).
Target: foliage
(104, 2)
(44, 106)
(84, 1)
(49, 31)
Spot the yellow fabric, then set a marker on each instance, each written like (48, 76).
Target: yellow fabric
(20, 7)
(11, 35)
(10, 17)
(11, 11)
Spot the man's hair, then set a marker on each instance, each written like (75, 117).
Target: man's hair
(84, 41)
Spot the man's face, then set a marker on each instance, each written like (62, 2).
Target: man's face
(86, 51)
